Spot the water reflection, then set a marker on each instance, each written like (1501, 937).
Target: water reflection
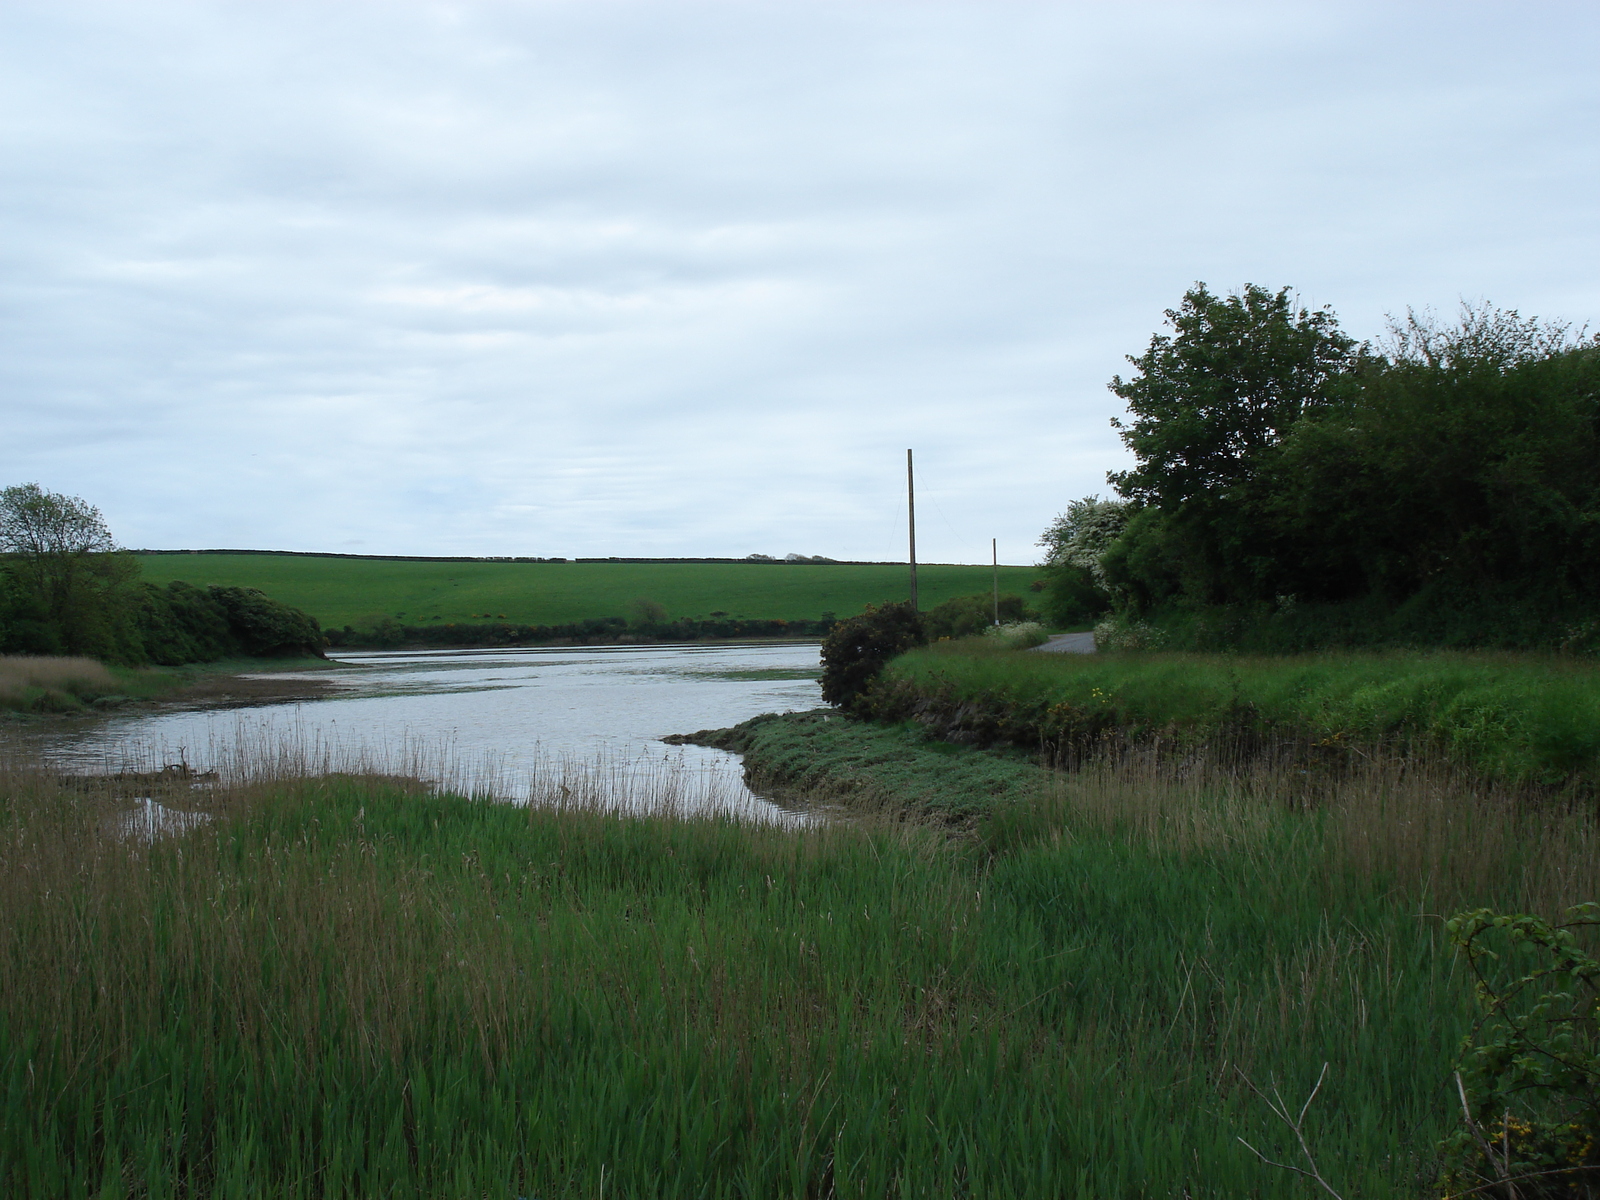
(492, 721)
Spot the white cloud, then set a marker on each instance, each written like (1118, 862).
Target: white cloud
(683, 278)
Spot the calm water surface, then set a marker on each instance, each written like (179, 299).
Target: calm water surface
(491, 719)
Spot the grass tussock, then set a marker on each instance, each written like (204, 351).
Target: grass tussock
(345, 986)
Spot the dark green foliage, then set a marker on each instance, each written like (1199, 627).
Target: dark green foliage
(966, 615)
(66, 589)
(265, 628)
(856, 650)
(1442, 492)
(180, 623)
(1530, 1076)
(1477, 471)
(386, 632)
(1072, 596)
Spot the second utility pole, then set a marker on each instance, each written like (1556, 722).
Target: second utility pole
(911, 512)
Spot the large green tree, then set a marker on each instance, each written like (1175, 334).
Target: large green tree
(68, 583)
(1210, 405)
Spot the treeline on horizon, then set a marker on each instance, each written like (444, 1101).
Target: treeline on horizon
(788, 559)
(1296, 490)
(387, 634)
(957, 617)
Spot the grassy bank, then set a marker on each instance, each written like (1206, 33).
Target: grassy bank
(360, 592)
(345, 986)
(32, 684)
(1513, 716)
(892, 769)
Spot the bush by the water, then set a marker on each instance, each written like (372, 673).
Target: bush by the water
(180, 623)
(855, 651)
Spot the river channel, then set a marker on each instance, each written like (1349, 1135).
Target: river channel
(507, 723)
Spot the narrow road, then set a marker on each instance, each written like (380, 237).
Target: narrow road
(1068, 643)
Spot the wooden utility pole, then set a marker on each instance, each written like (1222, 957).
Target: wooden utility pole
(911, 513)
(994, 549)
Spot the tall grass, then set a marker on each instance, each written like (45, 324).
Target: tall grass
(351, 986)
(28, 681)
(1514, 716)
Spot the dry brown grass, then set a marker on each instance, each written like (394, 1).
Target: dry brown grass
(21, 673)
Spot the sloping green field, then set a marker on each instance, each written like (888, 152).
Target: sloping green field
(352, 591)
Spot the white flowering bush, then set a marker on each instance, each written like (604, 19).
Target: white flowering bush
(1122, 633)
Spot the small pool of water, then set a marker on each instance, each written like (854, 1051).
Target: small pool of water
(493, 721)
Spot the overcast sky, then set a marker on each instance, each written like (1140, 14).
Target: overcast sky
(675, 278)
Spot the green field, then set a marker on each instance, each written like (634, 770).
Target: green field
(346, 591)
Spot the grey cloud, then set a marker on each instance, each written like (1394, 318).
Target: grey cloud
(571, 278)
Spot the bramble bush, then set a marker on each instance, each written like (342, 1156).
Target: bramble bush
(1529, 1078)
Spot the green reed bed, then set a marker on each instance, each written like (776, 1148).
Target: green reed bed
(1515, 716)
(347, 987)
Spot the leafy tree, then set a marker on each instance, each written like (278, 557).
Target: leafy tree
(1237, 373)
(1211, 404)
(69, 587)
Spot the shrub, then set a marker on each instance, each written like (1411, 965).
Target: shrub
(966, 615)
(855, 651)
(1530, 1076)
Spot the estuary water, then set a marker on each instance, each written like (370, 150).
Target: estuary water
(507, 723)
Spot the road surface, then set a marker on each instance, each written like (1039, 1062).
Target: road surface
(1069, 643)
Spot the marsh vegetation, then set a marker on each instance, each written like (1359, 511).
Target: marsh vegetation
(346, 984)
